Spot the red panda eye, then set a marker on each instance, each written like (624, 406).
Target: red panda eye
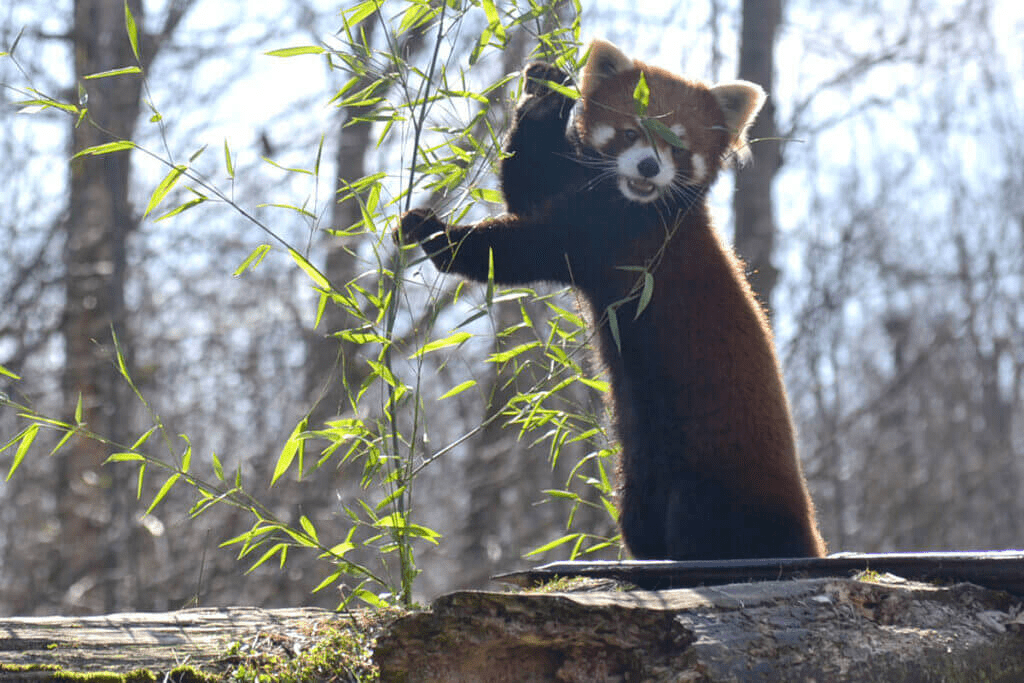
(630, 135)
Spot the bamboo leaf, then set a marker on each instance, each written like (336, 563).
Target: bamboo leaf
(645, 294)
(132, 29)
(106, 148)
(113, 72)
(296, 51)
(138, 486)
(354, 15)
(487, 195)
(145, 437)
(27, 437)
(186, 458)
(596, 384)
(63, 440)
(641, 96)
(553, 544)
(457, 389)
(227, 160)
(329, 580)
(252, 260)
(184, 207)
(218, 469)
(277, 548)
(125, 457)
(563, 90)
(613, 325)
(508, 355)
(451, 340)
(164, 490)
(165, 186)
(7, 373)
(292, 447)
(656, 127)
(315, 275)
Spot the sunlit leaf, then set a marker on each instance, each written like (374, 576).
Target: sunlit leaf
(7, 373)
(184, 207)
(292, 447)
(487, 195)
(503, 356)
(218, 469)
(553, 544)
(63, 440)
(132, 29)
(164, 490)
(641, 96)
(253, 259)
(106, 148)
(279, 548)
(315, 275)
(228, 164)
(125, 457)
(165, 186)
(329, 580)
(458, 389)
(186, 458)
(564, 90)
(597, 384)
(296, 51)
(113, 72)
(27, 437)
(354, 15)
(308, 527)
(451, 340)
(369, 598)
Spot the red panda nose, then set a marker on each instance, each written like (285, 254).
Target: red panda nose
(648, 168)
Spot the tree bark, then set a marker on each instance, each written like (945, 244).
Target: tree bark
(753, 209)
(99, 220)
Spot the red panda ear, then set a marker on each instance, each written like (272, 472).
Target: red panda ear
(605, 61)
(740, 102)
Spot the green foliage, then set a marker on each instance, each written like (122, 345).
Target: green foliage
(410, 103)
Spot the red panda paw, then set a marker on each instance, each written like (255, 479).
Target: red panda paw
(538, 72)
(418, 226)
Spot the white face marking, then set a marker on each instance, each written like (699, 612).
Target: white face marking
(679, 129)
(638, 186)
(601, 135)
(700, 168)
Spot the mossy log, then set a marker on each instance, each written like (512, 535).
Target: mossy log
(49, 648)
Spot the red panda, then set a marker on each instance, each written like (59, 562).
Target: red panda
(708, 467)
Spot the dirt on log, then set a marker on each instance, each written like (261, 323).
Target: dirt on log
(886, 629)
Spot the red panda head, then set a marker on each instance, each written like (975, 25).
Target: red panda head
(678, 141)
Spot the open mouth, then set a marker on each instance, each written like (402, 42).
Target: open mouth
(643, 189)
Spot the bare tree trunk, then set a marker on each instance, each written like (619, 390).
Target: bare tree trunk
(752, 201)
(99, 220)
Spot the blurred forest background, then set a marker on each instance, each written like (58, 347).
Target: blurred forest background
(882, 219)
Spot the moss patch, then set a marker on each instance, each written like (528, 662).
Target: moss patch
(336, 649)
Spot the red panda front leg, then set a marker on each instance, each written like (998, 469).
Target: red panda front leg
(524, 249)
